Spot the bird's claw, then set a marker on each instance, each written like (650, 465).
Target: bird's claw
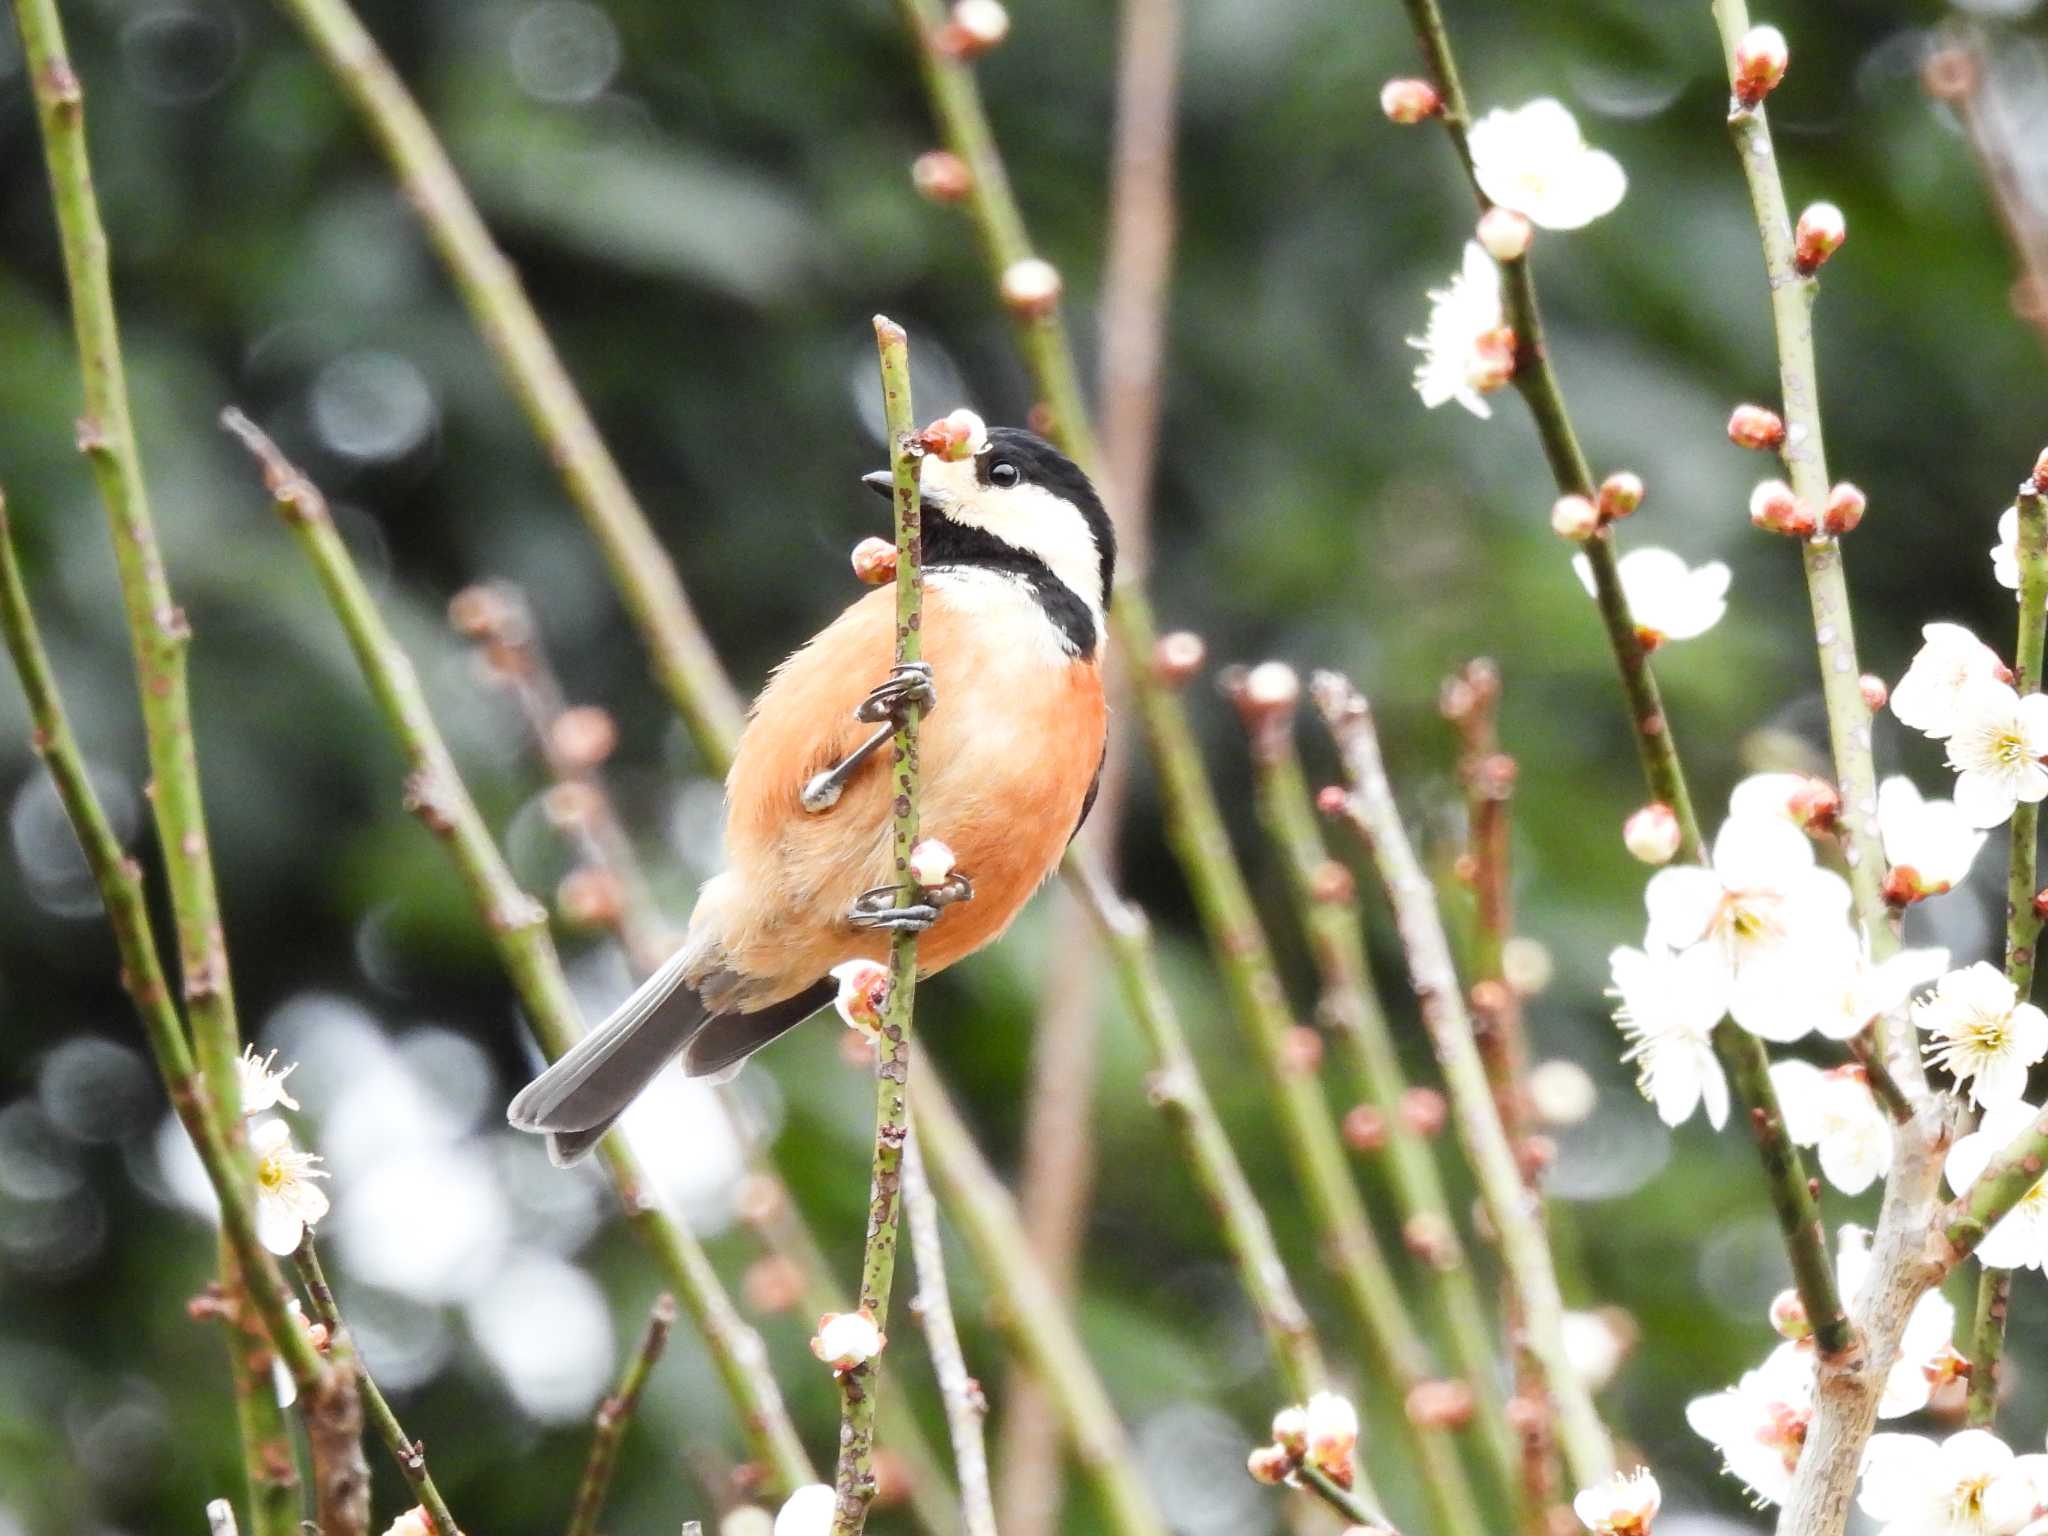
(909, 683)
(877, 908)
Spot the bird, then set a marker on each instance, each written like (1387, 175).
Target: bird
(1019, 560)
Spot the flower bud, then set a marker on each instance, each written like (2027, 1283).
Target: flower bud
(1267, 692)
(1652, 834)
(931, 863)
(1875, 693)
(1815, 806)
(1620, 494)
(874, 562)
(1332, 1432)
(476, 612)
(1301, 1051)
(1820, 233)
(863, 993)
(1525, 965)
(1574, 517)
(1774, 508)
(1269, 1464)
(1505, 234)
(584, 736)
(1756, 426)
(1760, 60)
(1902, 887)
(2039, 477)
(1176, 657)
(1493, 360)
(1332, 884)
(1844, 509)
(1788, 1315)
(1331, 799)
(940, 176)
(1290, 1430)
(774, 1283)
(589, 898)
(1365, 1128)
(1439, 1405)
(973, 28)
(1423, 1111)
(1562, 1092)
(954, 436)
(847, 1339)
(570, 804)
(1410, 101)
(2041, 903)
(1031, 287)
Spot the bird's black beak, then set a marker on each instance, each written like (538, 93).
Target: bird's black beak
(882, 482)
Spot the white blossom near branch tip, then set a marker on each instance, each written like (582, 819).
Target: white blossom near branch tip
(1761, 910)
(1534, 160)
(847, 1339)
(1970, 1484)
(1950, 661)
(1928, 843)
(863, 993)
(2020, 1240)
(1982, 1033)
(1996, 749)
(1668, 599)
(1467, 350)
(1668, 1007)
(262, 1086)
(287, 1199)
(1760, 1423)
(1624, 1505)
(1834, 1112)
(1331, 1433)
(808, 1511)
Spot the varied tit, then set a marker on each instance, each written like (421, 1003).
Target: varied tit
(1018, 557)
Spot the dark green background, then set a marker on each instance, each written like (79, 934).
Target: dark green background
(706, 236)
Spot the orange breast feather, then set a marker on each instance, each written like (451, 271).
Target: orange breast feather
(1008, 757)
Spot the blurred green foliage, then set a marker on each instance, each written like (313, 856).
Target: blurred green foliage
(707, 201)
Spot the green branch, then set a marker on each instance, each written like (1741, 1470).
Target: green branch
(855, 1482)
(614, 1413)
(684, 662)
(518, 929)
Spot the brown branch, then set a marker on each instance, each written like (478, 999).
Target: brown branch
(614, 1413)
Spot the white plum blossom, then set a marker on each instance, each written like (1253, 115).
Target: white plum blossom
(1762, 909)
(262, 1086)
(1330, 1431)
(1982, 1033)
(1929, 839)
(1923, 1346)
(1949, 661)
(1769, 794)
(2020, 1240)
(1996, 747)
(1834, 1112)
(863, 993)
(847, 1339)
(2005, 558)
(1759, 1424)
(1970, 1484)
(1624, 1505)
(1669, 1005)
(287, 1199)
(807, 1512)
(1837, 989)
(1467, 350)
(1534, 160)
(1668, 599)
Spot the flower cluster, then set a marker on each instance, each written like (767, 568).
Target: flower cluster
(1958, 691)
(288, 1200)
(1625, 1505)
(1321, 1433)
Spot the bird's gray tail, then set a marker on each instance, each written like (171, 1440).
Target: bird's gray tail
(577, 1099)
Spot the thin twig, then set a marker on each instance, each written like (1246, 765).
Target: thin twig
(614, 1413)
(410, 1454)
(1194, 821)
(1343, 1500)
(1176, 1087)
(966, 1408)
(1038, 1324)
(1742, 1054)
(272, 1470)
(855, 1482)
(683, 659)
(119, 879)
(518, 929)
(1523, 1243)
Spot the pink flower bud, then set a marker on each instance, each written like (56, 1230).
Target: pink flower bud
(1269, 1464)
(1816, 805)
(2040, 474)
(1410, 101)
(584, 736)
(1290, 1430)
(1844, 509)
(940, 176)
(1423, 1112)
(1775, 509)
(1875, 693)
(1505, 234)
(1365, 1128)
(1574, 517)
(1760, 60)
(931, 863)
(1271, 688)
(1820, 233)
(1031, 287)
(973, 28)
(1331, 799)
(863, 993)
(1788, 1315)
(874, 562)
(1652, 834)
(955, 436)
(1753, 426)
(847, 1339)
(1178, 656)
(1620, 494)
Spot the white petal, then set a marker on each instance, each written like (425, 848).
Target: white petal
(1983, 800)
(1898, 1470)
(1681, 902)
(1798, 1085)
(1759, 853)
(278, 1226)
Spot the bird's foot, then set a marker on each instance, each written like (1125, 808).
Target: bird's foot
(877, 908)
(824, 789)
(909, 683)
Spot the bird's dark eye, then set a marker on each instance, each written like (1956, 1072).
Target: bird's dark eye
(1003, 473)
